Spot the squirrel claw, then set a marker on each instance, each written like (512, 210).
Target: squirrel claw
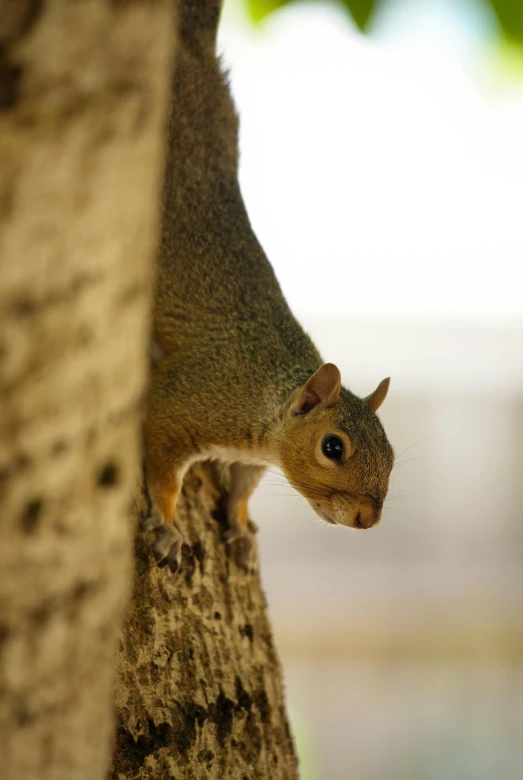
(244, 548)
(245, 553)
(172, 560)
(233, 534)
(174, 557)
(253, 528)
(167, 549)
(152, 521)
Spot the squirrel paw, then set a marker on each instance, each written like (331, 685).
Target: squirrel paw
(244, 547)
(152, 521)
(246, 553)
(167, 549)
(233, 533)
(251, 525)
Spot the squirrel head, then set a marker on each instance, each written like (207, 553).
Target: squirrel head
(334, 450)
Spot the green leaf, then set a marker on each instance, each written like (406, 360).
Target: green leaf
(508, 12)
(361, 11)
(258, 9)
(510, 16)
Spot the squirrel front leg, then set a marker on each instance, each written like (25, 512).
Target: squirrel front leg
(164, 485)
(244, 478)
(167, 454)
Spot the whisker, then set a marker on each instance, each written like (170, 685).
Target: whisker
(406, 460)
(431, 436)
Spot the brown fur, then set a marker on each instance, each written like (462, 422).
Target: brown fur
(234, 355)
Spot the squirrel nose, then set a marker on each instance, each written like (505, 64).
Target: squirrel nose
(366, 517)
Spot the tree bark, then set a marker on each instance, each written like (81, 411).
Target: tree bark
(200, 691)
(83, 88)
(83, 91)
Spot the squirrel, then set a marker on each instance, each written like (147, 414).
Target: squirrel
(236, 377)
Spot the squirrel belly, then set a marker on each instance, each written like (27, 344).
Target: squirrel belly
(235, 376)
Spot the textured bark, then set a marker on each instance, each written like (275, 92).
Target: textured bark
(200, 691)
(83, 88)
(82, 93)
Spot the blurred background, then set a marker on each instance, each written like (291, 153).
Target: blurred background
(383, 173)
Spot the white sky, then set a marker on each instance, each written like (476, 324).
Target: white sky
(383, 175)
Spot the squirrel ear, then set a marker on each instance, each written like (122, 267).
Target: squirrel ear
(375, 399)
(322, 388)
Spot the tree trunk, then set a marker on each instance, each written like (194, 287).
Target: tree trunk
(82, 96)
(200, 692)
(83, 88)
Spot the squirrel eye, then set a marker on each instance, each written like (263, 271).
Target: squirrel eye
(333, 448)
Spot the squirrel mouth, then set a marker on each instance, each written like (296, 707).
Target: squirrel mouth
(327, 518)
(322, 514)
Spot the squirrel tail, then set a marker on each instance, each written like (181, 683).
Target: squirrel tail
(198, 24)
